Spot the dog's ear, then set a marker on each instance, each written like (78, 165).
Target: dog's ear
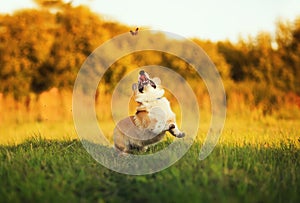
(156, 80)
(152, 84)
(134, 86)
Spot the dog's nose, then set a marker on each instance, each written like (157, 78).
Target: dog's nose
(142, 72)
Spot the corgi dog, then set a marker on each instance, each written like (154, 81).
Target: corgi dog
(153, 117)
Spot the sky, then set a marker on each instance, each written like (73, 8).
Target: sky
(204, 19)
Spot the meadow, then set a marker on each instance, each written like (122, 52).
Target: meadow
(255, 160)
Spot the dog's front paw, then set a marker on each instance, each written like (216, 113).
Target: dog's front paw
(180, 135)
(175, 131)
(171, 126)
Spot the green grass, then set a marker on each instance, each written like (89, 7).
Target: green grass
(40, 170)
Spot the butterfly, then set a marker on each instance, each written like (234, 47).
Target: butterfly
(133, 33)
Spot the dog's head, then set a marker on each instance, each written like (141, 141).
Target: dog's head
(144, 80)
(147, 89)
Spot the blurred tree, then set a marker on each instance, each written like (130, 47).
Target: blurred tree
(288, 55)
(46, 47)
(284, 36)
(295, 55)
(24, 46)
(236, 58)
(218, 59)
(78, 33)
(50, 3)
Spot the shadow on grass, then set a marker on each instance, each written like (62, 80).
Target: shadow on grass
(54, 171)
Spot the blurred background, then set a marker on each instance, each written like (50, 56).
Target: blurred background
(43, 43)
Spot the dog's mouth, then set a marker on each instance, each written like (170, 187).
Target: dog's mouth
(144, 80)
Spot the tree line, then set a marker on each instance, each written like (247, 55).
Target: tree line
(44, 48)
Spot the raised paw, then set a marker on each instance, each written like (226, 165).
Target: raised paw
(180, 135)
(171, 126)
(175, 131)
